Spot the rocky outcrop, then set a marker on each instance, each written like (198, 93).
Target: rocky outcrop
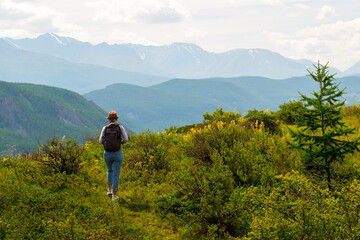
(69, 117)
(10, 113)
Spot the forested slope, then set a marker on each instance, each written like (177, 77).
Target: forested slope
(30, 112)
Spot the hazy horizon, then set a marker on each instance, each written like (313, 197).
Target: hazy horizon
(297, 29)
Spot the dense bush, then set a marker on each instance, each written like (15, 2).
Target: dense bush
(215, 136)
(227, 159)
(258, 160)
(288, 112)
(61, 156)
(220, 115)
(149, 156)
(298, 209)
(203, 200)
(270, 121)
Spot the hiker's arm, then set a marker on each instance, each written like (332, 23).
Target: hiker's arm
(101, 139)
(124, 138)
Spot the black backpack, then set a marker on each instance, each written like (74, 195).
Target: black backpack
(112, 135)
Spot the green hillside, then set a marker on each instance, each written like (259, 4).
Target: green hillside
(258, 92)
(352, 88)
(31, 112)
(180, 102)
(230, 94)
(272, 89)
(142, 108)
(176, 102)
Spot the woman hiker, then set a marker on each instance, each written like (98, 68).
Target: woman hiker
(112, 136)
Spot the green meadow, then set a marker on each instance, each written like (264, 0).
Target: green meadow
(230, 177)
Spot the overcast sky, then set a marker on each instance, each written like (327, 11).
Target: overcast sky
(325, 30)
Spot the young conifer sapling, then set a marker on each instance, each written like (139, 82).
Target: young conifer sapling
(321, 133)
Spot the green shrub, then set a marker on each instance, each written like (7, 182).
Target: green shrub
(215, 136)
(149, 156)
(288, 112)
(227, 160)
(220, 115)
(299, 209)
(202, 201)
(255, 118)
(254, 156)
(259, 159)
(61, 156)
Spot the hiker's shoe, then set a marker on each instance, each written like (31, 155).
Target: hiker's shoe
(115, 197)
(109, 193)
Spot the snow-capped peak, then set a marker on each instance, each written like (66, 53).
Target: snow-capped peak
(253, 52)
(12, 43)
(57, 38)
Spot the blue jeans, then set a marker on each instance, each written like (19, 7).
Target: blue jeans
(113, 162)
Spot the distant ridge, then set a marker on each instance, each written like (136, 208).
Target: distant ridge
(180, 102)
(178, 60)
(354, 70)
(19, 65)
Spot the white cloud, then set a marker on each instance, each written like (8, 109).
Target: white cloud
(24, 18)
(23, 0)
(274, 3)
(118, 36)
(137, 11)
(302, 6)
(294, 15)
(25, 10)
(230, 1)
(325, 12)
(338, 43)
(194, 33)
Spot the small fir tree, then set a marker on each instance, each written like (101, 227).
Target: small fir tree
(321, 133)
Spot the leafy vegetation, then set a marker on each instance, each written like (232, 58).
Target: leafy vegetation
(288, 112)
(60, 156)
(269, 121)
(225, 178)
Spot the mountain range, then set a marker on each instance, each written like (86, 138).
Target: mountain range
(178, 60)
(18, 65)
(152, 87)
